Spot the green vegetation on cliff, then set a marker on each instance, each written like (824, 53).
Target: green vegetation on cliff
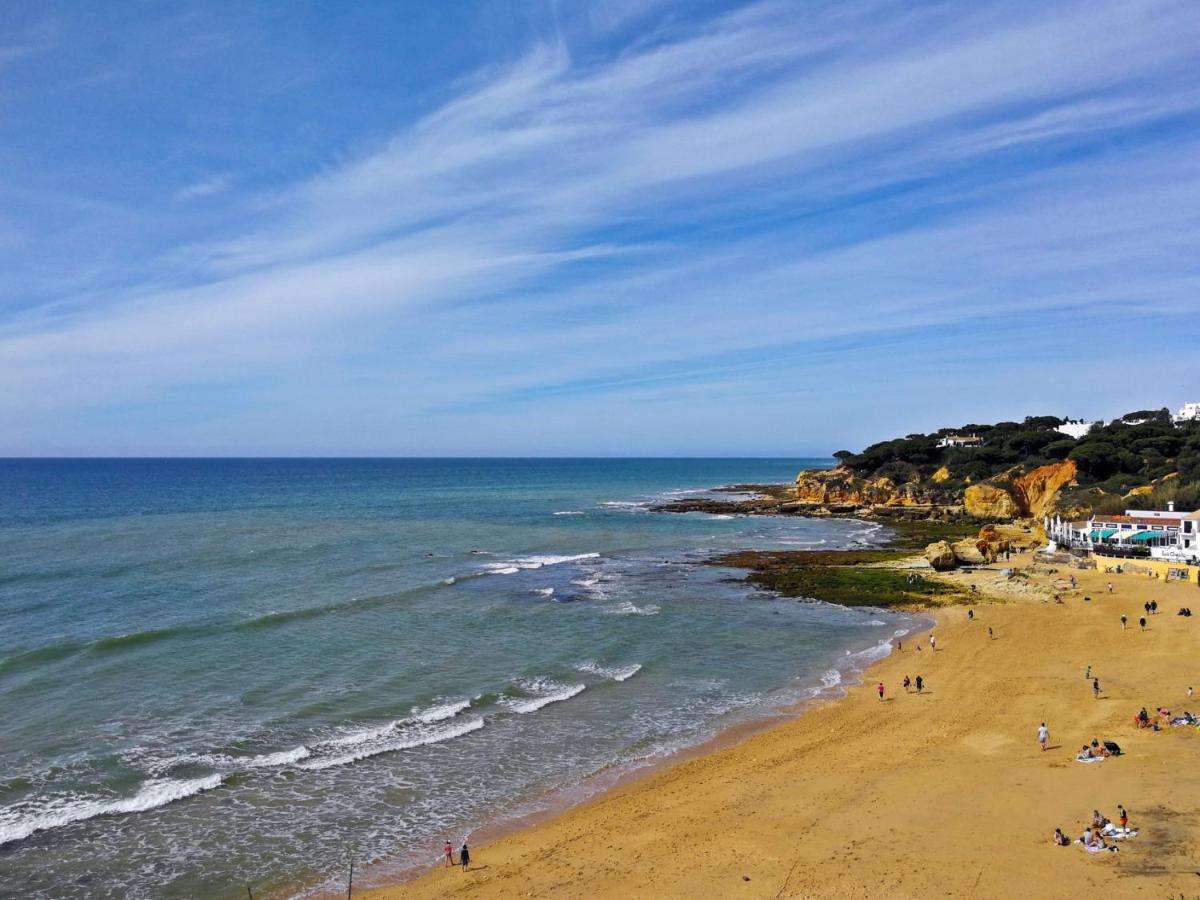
(1144, 449)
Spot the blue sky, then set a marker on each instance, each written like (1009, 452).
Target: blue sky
(612, 228)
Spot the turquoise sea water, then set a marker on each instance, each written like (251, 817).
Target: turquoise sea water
(229, 672)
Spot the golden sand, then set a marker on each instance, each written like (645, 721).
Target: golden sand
(946, 794)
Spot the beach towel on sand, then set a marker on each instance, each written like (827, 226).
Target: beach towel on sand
(1091, 849)
(1117, 833)
(1089, 759)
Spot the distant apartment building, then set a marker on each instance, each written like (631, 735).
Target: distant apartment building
(1189, 412)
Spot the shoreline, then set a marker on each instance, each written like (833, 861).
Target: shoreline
(719, 816)
(614, 779)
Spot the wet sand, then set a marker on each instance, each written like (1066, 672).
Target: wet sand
(941, 794)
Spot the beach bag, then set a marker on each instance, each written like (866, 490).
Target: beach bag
(1112, 747)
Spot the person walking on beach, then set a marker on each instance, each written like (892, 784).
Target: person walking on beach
(1123, 620)
(908, 683)
(880, 689)
(1043, 736)
(1096, 688)
(920, 684)
(1153, 607)
(448, 850)
(1142, 623)
(970, 615)
(1110, 587)
(1189, 690)
(1123, 816)
(991, 637)
(1146, 607)
(932, 642)
(464, 857)
(1087, 674)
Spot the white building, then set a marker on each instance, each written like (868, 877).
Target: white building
(1076, 428)
(958, 440)
(1189, 412)
(1161, 534)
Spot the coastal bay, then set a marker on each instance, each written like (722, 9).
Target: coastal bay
(943, 793)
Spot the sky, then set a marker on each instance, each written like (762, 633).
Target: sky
(613, 228)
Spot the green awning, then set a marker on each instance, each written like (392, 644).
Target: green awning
(1143, 536)
(1103, 535)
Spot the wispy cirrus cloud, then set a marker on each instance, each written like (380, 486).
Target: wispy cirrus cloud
(713, 201)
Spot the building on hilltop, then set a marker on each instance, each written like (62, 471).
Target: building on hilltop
(1189, 412)
(1077, 428)
(958, 440)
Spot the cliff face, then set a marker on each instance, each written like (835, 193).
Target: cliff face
(987, 501)
(841, 487)
(1037, 492)
(1033, 494)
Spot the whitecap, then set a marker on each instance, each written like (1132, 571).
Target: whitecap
(626, 608)
(513, 566)
(545, 592)
(616, 673)
(542, 692)
(570, 512)
(401, 739)
(441, 711)
(23, 819)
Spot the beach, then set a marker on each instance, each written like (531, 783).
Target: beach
(946, 793)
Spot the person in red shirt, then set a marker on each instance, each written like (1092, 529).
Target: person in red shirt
(449, 851)
(880, 689)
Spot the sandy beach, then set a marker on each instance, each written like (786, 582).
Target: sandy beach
(940, 794)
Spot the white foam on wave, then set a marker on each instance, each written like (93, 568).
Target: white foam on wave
(543, 692)
(721, 516)
(570, 512)
(449, 580)
(439, 712)
(393, 739)
(27, 817)
(616, 673)
(624, 504)
(830, 679)
(513, 566)
(627, 608)
(262, 761)
(545, 592)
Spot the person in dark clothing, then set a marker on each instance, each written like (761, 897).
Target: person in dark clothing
(920, 684)
(1153, 607)
(1096, 688)
(464, 857)
(1142, 622)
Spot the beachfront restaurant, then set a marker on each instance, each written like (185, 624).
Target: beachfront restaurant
(1136, 533)
(1133, 534)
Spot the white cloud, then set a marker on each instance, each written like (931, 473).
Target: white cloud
(482, 241)
(207, 187)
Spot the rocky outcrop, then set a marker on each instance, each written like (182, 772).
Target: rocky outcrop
(940, 556)
(1037, 491)
(842, 488)
(1033, 494)
(987, 501)
(969, 552)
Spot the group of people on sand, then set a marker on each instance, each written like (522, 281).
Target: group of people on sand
(1101, 835)
(908, 684)
(464, 856)
(1098, 749)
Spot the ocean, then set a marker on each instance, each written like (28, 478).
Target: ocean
(217, 674)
